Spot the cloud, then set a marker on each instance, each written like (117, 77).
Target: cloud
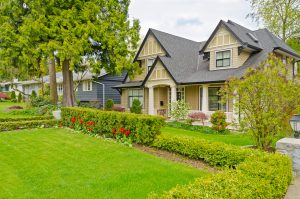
(192, 19)
(188, 21)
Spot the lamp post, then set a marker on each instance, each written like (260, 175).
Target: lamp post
(295, 124)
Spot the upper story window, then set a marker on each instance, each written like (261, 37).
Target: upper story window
(223, 58)
(149, 64)
(87, 85)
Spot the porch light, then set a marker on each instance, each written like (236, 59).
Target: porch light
(295, 124)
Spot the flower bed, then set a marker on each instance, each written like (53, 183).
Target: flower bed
(246, 173)
(143, 128)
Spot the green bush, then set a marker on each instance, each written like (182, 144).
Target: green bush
(109, 104)
(14, 125)
(13, 97)
(26, 118)
(136, 107)
(143, 128)
(179, 110)
(33, 94)
(218, 121)
(20, 98)
(35, 111)
(39, 102)
(247, 173)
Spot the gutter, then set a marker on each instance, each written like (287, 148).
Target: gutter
(103, 93)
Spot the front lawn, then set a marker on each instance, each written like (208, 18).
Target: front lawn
(233, 138)
(6, 104)
(57, 163)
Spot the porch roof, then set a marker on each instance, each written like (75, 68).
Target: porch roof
(136, 84)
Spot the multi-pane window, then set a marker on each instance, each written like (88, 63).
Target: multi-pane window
(223, 58)
(87, 85)
(135, 94)
(180, 94)
(59, 89)
(149, 64)
(214, 98)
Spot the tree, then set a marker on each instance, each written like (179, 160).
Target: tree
(20, 98)
(282, 17)
(109, 104)
(266, 99)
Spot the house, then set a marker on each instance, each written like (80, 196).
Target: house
(175, 68)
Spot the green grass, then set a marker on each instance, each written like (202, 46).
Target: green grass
(56, 163)
(233, 138)
(6, 104)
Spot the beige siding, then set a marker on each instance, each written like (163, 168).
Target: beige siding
(230, 105)
(124, 98)
(146, 100)
(159, 72)
(160, 94)
(224, 40)
(192, 97)
(151, 49)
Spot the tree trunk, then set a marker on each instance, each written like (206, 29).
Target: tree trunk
(52, 79)
(68, 93)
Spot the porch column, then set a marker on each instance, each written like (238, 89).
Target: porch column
(204, 98)
(235, 111)
(151, 101)
(173, 94)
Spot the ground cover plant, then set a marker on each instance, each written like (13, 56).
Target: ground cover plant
(59, 163)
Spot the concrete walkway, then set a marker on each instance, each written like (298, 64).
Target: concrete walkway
(294, 189)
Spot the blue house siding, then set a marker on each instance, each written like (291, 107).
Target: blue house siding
(97, 91)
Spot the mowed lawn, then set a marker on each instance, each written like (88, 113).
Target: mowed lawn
(5, 105)
(57, 163)
(233, 138)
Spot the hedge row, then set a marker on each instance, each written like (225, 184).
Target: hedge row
(26, 118)
(143, 128)
(8, 126)
(247, 173)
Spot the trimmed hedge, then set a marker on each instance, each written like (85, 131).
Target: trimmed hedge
(8, 126)
(202, 129)
(143, 128)
(26, 118)
(247, 173)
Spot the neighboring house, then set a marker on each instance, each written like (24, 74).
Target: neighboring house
(91, 90)
(15, 85)
(176, 68)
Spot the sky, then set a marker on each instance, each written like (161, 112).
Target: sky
(191, 19)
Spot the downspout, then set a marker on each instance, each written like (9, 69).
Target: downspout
(103, 93)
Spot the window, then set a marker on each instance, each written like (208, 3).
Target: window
(180, 94)
(149, 64)
(135, 94)
(214, 100)
(223, 58)
(87, 85)
(59, 89)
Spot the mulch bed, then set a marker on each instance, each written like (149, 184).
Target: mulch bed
(198, 164)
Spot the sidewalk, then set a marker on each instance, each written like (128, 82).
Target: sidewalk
(294, 189)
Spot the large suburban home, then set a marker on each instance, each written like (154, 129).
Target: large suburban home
(175, 68)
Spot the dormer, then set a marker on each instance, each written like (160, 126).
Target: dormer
(225, 49)
(146, 55)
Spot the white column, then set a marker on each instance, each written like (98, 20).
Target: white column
(173, 94)
(204, 98)
(235, 111)
(151, 101)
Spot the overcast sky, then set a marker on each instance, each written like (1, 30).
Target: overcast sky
(192, 19)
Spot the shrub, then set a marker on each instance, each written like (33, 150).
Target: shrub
(8, 119)
(122, 136)
(179, 110)
(39, 102)
(33, 94)
(247, 173)
(109, 104)
(3, 96)
(13, 96)
(198, 116)
(14, 125)
(20, 98)
(136, 107)
(218, 121)
(143, 128)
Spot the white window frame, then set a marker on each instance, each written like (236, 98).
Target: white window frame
(59, 89)
(87, 85)
(230, 63)
(182, 91)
